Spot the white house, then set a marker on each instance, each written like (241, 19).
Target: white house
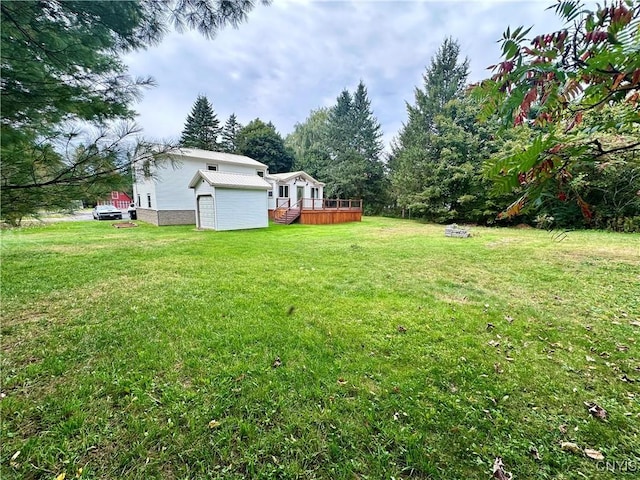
(230, 201)
(162, 194)
(295, 188)
(222, 191)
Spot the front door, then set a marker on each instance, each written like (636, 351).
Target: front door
(300, 195)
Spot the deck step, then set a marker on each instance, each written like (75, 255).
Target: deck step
(289, 217)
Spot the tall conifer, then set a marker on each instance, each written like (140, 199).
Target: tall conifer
(202, 127)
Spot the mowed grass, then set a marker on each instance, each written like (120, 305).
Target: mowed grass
(152, 352)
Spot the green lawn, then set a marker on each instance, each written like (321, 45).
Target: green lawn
(149, 352)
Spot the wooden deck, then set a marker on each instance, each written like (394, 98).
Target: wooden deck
(313, 211)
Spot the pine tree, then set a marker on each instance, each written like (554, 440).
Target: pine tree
(434, 148)
(355, 169)
(202, 127)
(62, 67)
(229, 143)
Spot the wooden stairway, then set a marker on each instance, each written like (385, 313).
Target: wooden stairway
(286, 217)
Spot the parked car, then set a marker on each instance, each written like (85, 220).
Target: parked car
(106, 212)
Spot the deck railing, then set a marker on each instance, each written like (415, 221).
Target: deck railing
(323, 204)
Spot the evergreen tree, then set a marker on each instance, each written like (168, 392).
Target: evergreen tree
(62, 67)
(354, 146)
(263, 143)
(230, 131)
(202, 127)
(435, 150)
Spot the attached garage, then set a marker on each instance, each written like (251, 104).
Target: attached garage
(227, 201)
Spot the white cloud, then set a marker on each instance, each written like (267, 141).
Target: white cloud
(297, 55)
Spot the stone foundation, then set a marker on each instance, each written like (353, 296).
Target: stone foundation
(167, 217)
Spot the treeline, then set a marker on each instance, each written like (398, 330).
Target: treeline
(558, 143)
(258, 140)
(438, 165)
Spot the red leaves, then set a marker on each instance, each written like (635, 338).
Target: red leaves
(514, 209)
(596, 37)
(576, 120)
(585, 208)
(528, 99)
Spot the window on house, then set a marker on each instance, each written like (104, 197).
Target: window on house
(271, 193)
(314, 192)
(284, 191)
(212, 168)
(138, 202)
(260, 173)
(149, 200)
(114, 195)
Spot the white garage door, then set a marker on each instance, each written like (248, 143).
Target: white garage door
(206, 213)
(238, 209)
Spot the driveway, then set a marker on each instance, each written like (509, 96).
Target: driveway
(78, 216)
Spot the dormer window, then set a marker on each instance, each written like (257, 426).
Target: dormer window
(261, 173)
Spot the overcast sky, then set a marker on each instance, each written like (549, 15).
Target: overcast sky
(297, 55)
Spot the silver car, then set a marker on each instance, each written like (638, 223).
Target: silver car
(106, 212)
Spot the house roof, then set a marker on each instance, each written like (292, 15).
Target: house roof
(215, 156)
(284, 177)
(230, 180)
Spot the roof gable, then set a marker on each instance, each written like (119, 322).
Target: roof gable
(230, 180)
(208, 155)
(285, 177)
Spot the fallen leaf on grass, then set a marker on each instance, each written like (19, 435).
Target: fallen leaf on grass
(214, 424)
(533, 451)
(401, 329)
(596, 410)
(563, 428)
(490, 326)
(15, 455)
(498, 369)
(342, 381)
(635, 324)
(593, 454)
(276, 363)
(570, 447)
(499, 472)
(62, 476)
(590, 359)
(509, 318)
(622, 348)
(624, 378)
(493, 343)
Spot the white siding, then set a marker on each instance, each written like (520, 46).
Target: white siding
(144, 187)
(238, 209)
(242, 169)
(172, 187)
(169, 186)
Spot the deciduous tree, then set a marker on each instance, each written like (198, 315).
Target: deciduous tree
(263, 143)
(554, 82)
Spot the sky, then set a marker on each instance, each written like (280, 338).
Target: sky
(294, 56)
